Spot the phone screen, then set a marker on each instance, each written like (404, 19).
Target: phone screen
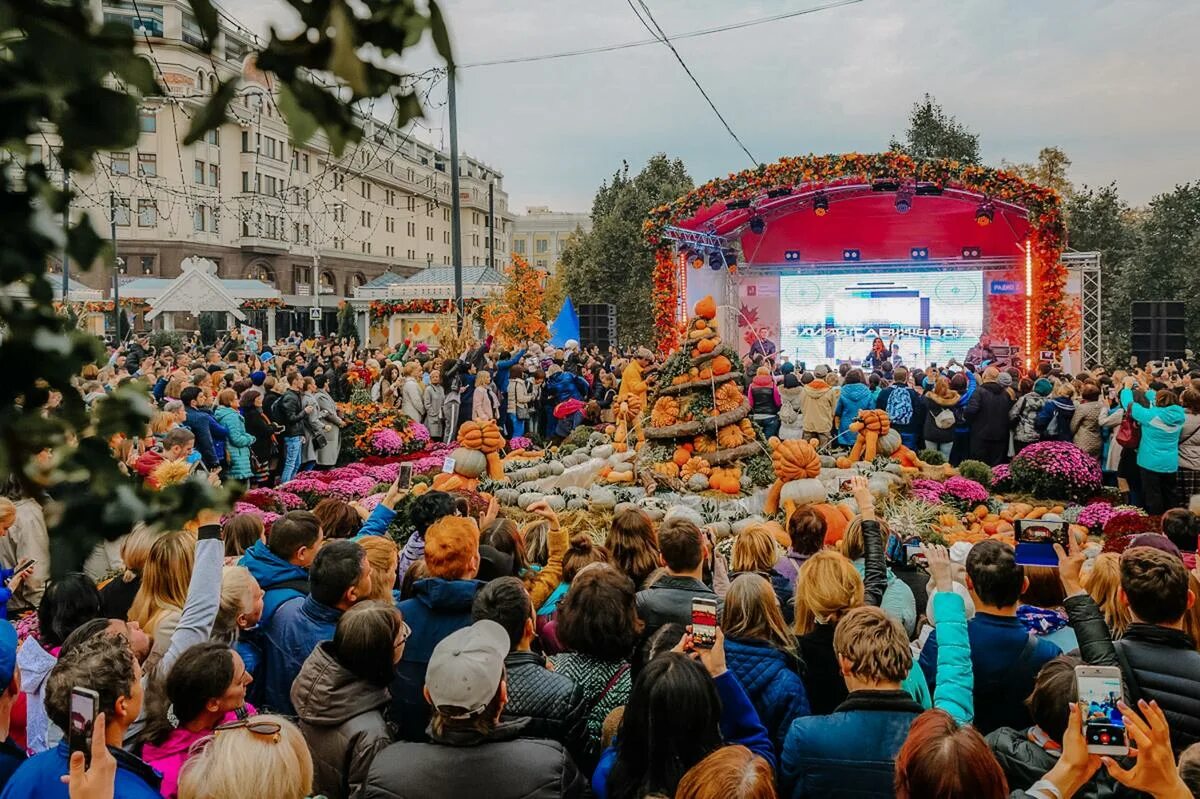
(704, 623)
(23, 565)
(1103, 725)
(404, 478)
(1038, 531)
(84, 706)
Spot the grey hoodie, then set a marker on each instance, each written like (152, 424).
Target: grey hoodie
(35, 664)
(341, 717)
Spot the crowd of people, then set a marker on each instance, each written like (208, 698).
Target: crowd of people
(480, 657)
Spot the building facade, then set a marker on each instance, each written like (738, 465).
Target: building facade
(540, 235)
(312, 225)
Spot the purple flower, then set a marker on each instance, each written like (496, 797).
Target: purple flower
(1055, 469)
(520, 442)
(999, 472)
(965, 490)
(924, 494)
(290, 500)
(1097, 514)
(387, 442)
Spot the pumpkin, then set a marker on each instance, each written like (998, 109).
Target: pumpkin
(699, 324)
(665, 412)
(721, 365)
(805, 491)
(706, 345)
(704, 444)
(695, 466)
(794, 459)
(469, 462)
(730, 436)
(706, 308)
(835, 522)
(667, 469)
(727, 397)
(687, 445)
(747, 428)
(706, 374)
(682, 456)
(731, 484)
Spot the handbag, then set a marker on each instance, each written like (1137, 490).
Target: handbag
(319, 441)
(1129, 434)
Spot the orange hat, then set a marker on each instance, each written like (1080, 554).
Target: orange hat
(451, 543)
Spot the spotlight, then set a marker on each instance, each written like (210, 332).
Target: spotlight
(851, 255)
(925, 188)
(885, 184)
(920, 253)
(782, 191)
(820, 204)
(985, 214)
(736, 204)
(697, 262)
(791, 255)
(971, 253)
(757, 225)
(715, 261)
(903, 203)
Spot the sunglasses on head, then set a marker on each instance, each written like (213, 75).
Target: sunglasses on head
(269, 729)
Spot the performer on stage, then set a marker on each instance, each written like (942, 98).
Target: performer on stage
(981, 352)
(763, 346)
(878, 354)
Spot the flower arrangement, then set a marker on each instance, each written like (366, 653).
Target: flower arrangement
(1000, 475)
(385, 441)
(1047, 233)
(1127, 524)
(520, 442)
(1096, 515)
(384, 309)
(959, 492)
(1054, 470)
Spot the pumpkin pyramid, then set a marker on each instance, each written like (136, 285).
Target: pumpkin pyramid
(700, 415)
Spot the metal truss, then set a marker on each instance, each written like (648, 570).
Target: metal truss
(1087, 266)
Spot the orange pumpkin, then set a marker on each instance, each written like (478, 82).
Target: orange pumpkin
(706, 345)
(682, 456)
(731, 484)
(687, 445)
(706, 374)
(835, 522)
(706, 308)
(721, 365)
(699, 324)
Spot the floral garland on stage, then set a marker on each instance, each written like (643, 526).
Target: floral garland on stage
(1047, 230)
(383, 309)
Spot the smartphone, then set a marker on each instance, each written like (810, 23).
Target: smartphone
(1103, 725)
(85, 704)
(704, 622)
(23, 565)
(1036, 539)
(404, 478)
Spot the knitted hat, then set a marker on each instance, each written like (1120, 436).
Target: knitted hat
(1004, 379)
(1043, 387)
(787, 367)
(257, 378)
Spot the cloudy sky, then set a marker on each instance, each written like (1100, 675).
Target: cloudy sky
(1112, 83)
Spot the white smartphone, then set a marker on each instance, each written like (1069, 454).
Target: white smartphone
(704, 622)
(1103, 726)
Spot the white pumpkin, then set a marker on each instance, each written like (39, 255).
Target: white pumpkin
(507, 496)
(890, 442)
(557, 504)
(576, 503)
(804, 492)
(528, 498)
(602, 451)
(603, 498)
(469, 462)
(698, 482)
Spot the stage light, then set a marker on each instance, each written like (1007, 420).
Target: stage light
(971, 253)
(697, 262)
(924, 188)
(782, 191)
(885, 184)
(733, 205)
(757, 225)
(729, 256)
(851, 255)
(903, 203)
(791, 255)
(715, 261)
(920, 253)
(985, 214)
(820, 204)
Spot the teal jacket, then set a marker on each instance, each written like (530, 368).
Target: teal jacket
(237, 445)
(898, 600)
(1159, 448)
(955, 688)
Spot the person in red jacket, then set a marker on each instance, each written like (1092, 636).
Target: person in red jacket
(177, 445)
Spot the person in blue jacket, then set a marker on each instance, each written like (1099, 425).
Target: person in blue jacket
(281, 566)
(500, 378)
(853, 750)
(684, 705)
(563, 385)
(855, 396)
(1158, 451)
(239, 441)
(204, 427)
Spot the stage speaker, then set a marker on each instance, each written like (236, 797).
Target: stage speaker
(1158, 330)
(598, 325)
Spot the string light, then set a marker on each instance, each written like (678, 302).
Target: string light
(1028, 304)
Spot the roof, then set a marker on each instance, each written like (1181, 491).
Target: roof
(384, 280)
(148, 287)
(444, 275)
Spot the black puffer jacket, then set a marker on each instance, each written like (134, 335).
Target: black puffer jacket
(1024, 763)
(500, 765)
(288, 411)
(987, 411)
(553, 703)
(1158, 664)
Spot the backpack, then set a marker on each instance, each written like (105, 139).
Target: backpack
(1053, 427)
(899, 406)
(944, 419)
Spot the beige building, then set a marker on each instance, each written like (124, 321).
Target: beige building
(311, 225)
(540, 235)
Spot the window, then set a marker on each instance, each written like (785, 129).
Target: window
(147, 264)
(246, 225)
(199, 173)
(198, 218)
(120, 163)
(364, 189)
(412, 229)
(541, 246)
(270, 185)
(148, 165)
(390, 195)
(214, 219)
(214, 175)
(245, 141)
(412, 203)
(146, 20)
(366, 248)
(304, 161)
(246, 182)
(429, 234)
(391, 251)
(429, 208)
(474, 239)
(474, 217)
(191, 31)
(560, 245)
(445, 237)
(410, 175)
(147, 122)
(519, 246)
(412, 255)
(540, 263)
(235, 50)
(121, 212)
(147, 213)
(339, 181)
(213, 136)
(339, 213)
(446, 214)
(446, 260)
(304, 232)
(389, 224)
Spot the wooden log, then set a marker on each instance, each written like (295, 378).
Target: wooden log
(696, 385)
(706, 425)
(724, 456)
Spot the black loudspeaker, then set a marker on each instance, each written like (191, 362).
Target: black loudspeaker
(598, 325)
(1158, 330)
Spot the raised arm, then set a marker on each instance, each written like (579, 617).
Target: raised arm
(955, 685)
(874, 567)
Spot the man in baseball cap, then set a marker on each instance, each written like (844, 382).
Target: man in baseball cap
(471, 752)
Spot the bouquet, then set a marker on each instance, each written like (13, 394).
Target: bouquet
(1055, 470)
(959, 492)
(1096, 515)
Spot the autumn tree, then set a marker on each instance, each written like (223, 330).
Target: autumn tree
(1051, 170)
(932, 133)
(515, 313)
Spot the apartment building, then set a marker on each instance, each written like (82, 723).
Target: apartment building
(540, 235)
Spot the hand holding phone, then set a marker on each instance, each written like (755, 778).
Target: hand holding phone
(1103, 723)
(85, 704)
(704, 622)
(404, 477)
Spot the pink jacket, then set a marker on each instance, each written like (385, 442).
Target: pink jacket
(168, 757)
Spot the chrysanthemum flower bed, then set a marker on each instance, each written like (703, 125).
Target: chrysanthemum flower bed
(1054, 470)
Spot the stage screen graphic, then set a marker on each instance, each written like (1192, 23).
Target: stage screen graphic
(934, 316)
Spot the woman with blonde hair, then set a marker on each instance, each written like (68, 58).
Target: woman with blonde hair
(898, 600)
(1103, 584)
(263, 756)
(239, 613)
(761, 652)
(485, 407)
(117, 595)
(160, 599)
(633, 544)
(383, 558)
(755, 551)
(731, 772)
(412, 395)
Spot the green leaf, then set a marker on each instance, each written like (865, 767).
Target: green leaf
(344, 61)
(139, 73)
(84, 244)
(213, 114)
(408, 106)
(441, 34)
(206, 16)
(301, 123)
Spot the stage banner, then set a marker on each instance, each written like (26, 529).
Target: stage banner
(758, 307)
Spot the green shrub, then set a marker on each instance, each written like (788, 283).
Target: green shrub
(167, 338)
(932, 457)
(978, 471)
